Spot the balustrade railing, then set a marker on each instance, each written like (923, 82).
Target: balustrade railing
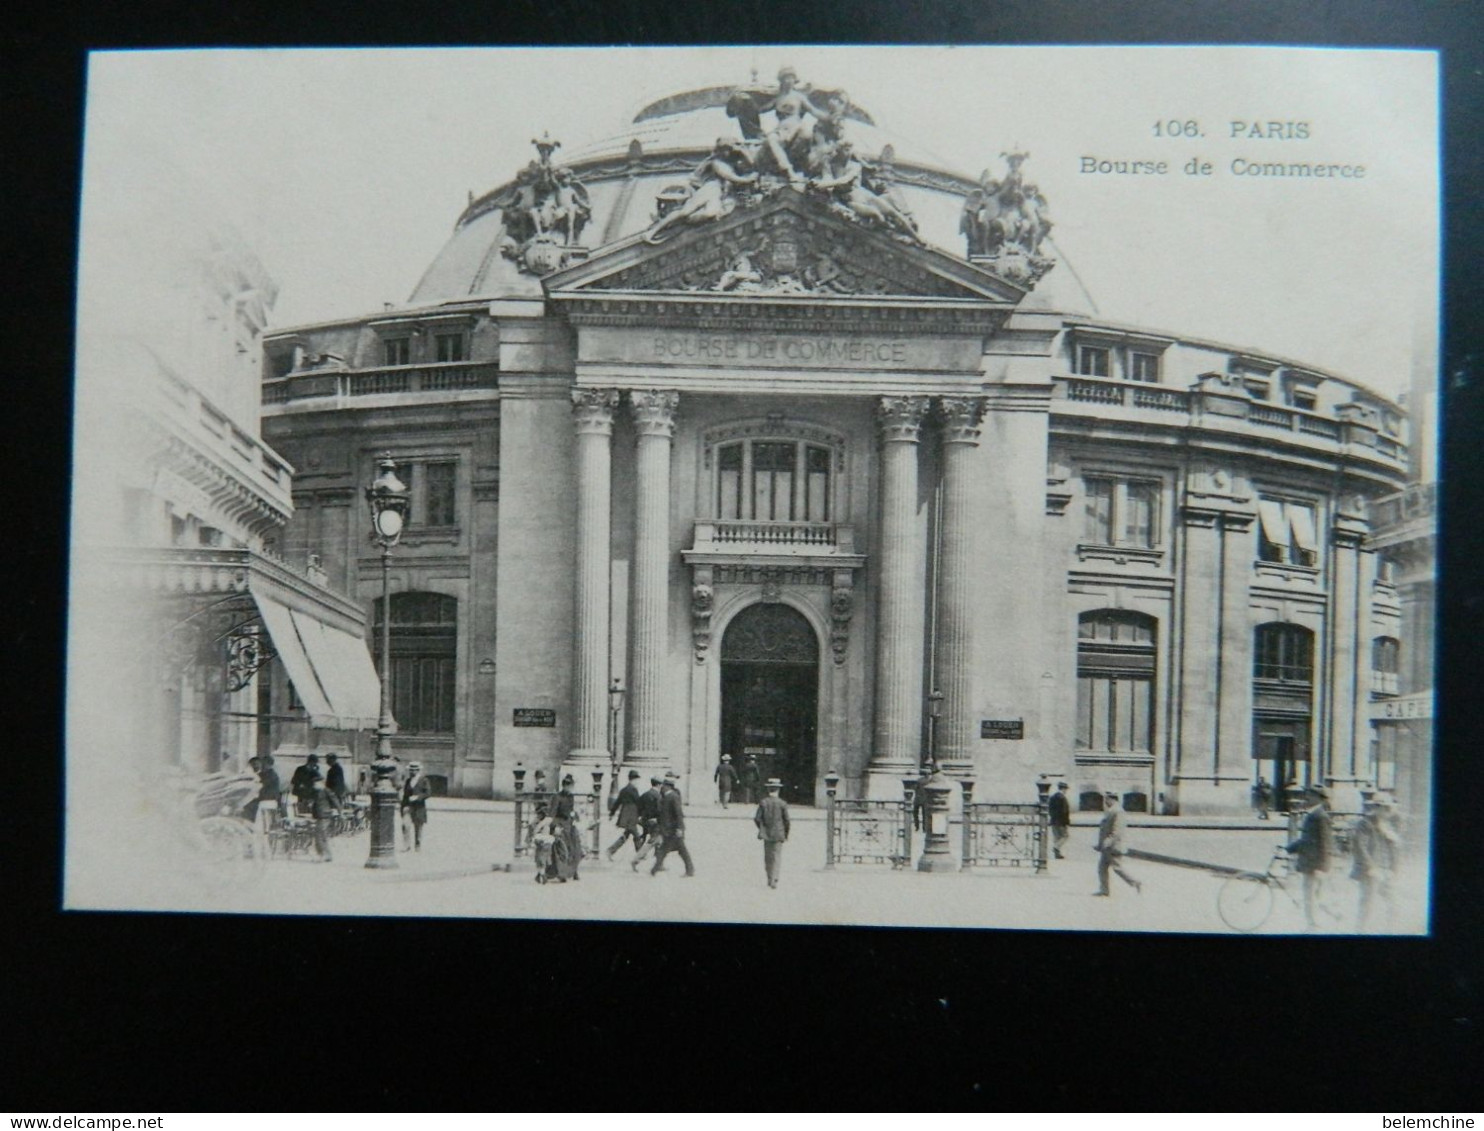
(439, 378)
(781, 533)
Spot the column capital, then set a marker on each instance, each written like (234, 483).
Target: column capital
(961, 417)
(653, 411)
(900, 418)
(592, 411)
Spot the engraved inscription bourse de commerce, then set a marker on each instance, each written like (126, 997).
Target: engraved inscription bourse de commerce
(787, 441)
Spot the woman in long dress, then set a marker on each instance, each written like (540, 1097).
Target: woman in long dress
(567, 848)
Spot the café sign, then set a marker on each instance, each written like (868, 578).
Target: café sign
(1415, 706)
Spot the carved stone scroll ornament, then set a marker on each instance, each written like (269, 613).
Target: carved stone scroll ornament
(1005, 222)
(544, 213)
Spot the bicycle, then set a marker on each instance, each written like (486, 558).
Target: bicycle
(1245, 900)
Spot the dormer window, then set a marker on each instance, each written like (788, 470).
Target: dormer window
(451, 347)
(397, 351)
(1093, 361)
(1143, 366)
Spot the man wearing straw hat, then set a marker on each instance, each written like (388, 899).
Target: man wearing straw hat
(771, 820)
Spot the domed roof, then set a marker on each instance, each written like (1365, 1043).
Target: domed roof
(660, 148)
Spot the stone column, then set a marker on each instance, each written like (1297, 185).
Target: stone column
(953, 657)
(592, 416)
(1349, 658)
(653, 413)
(900, 601)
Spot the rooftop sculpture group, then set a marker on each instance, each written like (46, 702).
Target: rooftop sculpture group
(806, 149)
(1005, 223)
(544, 211)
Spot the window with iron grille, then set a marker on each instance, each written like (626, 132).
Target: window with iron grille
(424, 641)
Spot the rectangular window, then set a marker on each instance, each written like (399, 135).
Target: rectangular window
(1286, 533)
(1121, 512)
(1098, 528)
(438, 494)
(423, 693)
(1257, 388)
(397, 351)
(1143, 367)
(772, 481)
(1304, 399)
(1092, 361)
(1114, 713)
(451, 347)
(729, 482)
(819, 484)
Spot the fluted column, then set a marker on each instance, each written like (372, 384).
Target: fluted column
(592, 416)
(953, 658)
(900, 599)
(653, 412)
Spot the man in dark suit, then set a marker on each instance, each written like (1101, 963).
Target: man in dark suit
(672, 828)
(726, 780)
(1110, 845)
(752, 779)
(322, 806)
(335, 779)
(301, 784)
(625, 812)
(649, 821)
(1059, 817)
(771, 820)
(1311, 851)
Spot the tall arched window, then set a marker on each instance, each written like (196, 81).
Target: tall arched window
(1282, 705)
(1115, 681)
(773, 480)
(1386, 659)
(424, 666)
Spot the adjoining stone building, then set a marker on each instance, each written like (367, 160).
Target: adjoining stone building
(818, 451)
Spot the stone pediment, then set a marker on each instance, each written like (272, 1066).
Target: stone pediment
(789, 247)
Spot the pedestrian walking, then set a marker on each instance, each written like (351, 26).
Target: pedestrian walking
(541, 839)
(624, 809)
(672, 828)
(1111, 846)
(726, 780)
(323, 806)
(919, 794)
(415, 793)
(1373, 848)
(1311, 851)
(1262, 798)
(751, 776)
(1059, 817)
(301, 784)
(772, 824)
(649, 821)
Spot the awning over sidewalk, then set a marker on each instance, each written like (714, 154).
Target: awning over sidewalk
(330, 668)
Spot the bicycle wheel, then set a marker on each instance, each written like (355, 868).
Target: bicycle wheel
(1244, 903)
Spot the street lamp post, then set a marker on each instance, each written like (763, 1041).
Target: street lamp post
(934, 710)
(615, 704)
(388, 500)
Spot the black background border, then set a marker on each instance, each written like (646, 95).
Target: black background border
(113, 1012)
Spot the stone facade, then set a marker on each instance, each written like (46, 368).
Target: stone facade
(814, 490)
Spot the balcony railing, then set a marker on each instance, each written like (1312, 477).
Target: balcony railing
(400, 379)
(746, 535)
(1106, 392)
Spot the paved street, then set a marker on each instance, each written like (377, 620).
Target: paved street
(461, 872)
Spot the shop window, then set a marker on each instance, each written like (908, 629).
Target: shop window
(1121, 512)
(1385, 665)
(1286, 533)
(1115, 681)
(1092, 361)
(773, 481)
(424, 641)
(451, 347)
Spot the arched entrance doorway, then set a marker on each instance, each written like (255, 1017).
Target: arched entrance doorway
(770, 695)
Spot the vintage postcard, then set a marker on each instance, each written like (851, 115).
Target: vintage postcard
(977, 487)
